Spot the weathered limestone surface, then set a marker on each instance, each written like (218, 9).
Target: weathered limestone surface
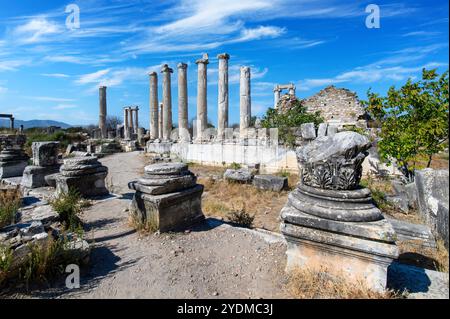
(202, 103)
(84, 174)
(329, 222)
(154, 130)
(167, 98)
(322, 129)
(432, 197)
(308, 131)
(245, 101)
(222, 111)
(167, 196)
(270, 182)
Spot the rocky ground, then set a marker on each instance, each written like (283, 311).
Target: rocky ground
(211, 260)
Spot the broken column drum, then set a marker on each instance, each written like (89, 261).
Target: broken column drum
(167, 196)
(83, 174)
(330, 222)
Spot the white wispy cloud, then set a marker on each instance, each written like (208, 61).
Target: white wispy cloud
(3, 90)
(49, 99)
(13, 65)
(55, 75)
(64, 106)
(421, 34)
(35, 30)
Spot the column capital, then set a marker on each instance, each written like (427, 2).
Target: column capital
(182, 65)
(165, 68)
(102, 87)
(224, 56)
(153, 74)
(204, 59)
(276, 89)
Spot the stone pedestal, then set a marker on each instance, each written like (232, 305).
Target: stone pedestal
(45, 162)
(84, 174)
(12, 158)
(330, 223)
(167, 196)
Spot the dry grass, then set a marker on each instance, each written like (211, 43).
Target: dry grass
(10, 202)
(143, 226)
(382, 187)
(413, 253)
(310, 284)
(221, 198)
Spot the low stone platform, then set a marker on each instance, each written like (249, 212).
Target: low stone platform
(167, 196)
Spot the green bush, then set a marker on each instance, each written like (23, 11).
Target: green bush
(235, 165)
(68, 206)
(291, 118)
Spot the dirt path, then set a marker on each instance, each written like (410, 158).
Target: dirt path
(213, 260)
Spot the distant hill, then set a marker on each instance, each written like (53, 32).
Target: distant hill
(33, 123)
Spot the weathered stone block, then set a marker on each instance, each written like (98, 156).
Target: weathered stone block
(172, 211)
(322, 130)
(87, 185)
(433, 199)
(34, 176)
(308, 131)
(270, 182)
(12, 169)
(45, 153)
(242, 175)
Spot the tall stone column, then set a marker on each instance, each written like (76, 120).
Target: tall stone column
(245, 105)
(202, 103)
(222, 122)
(11, 123)
(167, 100)
(102, 111)
(292, 90)
(182, 101)
(136, 120)
(130, 114)
(154, 128)
(160, 120)
(125, 124)
(276, 96)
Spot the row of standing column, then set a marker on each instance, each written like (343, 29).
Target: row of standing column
(161, 118)
(130, 122)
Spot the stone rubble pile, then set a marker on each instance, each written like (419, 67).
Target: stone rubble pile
(45, 162)
(84, 174)
(168, 196)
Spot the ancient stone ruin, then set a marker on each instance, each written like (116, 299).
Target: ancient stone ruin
(12, 158)
(83, 174)
(330, 222)
(167, 196)
(337, 105)
(45, 162)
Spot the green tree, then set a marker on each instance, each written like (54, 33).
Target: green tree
(414, 120)
(293, 117)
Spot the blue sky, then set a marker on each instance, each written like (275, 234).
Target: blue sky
(48, 71)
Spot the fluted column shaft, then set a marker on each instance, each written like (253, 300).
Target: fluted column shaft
(167, 100)
(244, 100)
(182, 99)
(222, 122)
(202, 103)
(154, 128)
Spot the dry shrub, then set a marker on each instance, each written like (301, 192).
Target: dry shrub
(144, 226)
(10, 202)
(241, 217)
(414, 253)
(313, 284)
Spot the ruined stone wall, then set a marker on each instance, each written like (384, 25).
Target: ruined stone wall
(336, 105)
